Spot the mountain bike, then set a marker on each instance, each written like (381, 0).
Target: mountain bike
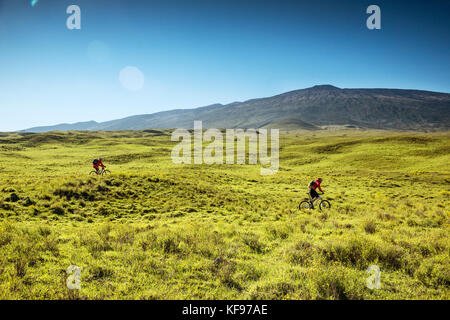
(308, 204)
(102, 172)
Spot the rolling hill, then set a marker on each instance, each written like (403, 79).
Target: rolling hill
(309, 109)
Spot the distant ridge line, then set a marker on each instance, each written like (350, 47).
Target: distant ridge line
(308, 109)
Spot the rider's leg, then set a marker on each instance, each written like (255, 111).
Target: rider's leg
(313, 200)
(314, 196)
(317, 200)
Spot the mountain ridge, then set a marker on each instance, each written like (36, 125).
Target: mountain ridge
(309, 109)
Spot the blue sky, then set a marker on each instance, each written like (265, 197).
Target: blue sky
(196, 53)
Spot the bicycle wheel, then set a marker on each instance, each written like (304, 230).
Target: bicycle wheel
(305, 204)
(106, 172)
(324, 205)
(93, 173)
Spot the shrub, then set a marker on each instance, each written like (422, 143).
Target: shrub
(434, 271)
(13, 197)
(44, 231)
(225, 269)
(279, 231)
(5, 238)
(301, 253)
(58, 210)
(169, 245)
(253, 242)
(20, 265)
(361, 253)
(28, 202)
(100, 272)
(370, 226)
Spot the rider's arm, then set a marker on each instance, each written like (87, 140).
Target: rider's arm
(320, 189)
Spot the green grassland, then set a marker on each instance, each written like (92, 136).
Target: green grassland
(156, 230)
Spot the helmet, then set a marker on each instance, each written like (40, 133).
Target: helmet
(101, 159)
(320, 179)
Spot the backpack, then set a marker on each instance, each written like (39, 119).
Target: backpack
(311, 184)
(95, 161)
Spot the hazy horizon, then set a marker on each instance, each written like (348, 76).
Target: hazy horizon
(201, 53)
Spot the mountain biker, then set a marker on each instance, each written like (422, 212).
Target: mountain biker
(313, 185)
(97, 163)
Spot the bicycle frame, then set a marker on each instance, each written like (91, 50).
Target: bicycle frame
(319, 198)
(100, 172)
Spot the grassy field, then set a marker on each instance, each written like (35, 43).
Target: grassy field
(156, 230)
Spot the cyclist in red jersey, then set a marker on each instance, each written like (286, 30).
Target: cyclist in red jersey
(312, 189)
(97, 163)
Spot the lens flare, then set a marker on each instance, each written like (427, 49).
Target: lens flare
(33, 2)
(132, 78)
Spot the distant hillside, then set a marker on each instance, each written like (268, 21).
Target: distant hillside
(89, 125)
(292, 124)
(308, 109)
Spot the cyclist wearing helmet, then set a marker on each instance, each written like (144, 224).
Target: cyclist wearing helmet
(97, 163)
(313, 185)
